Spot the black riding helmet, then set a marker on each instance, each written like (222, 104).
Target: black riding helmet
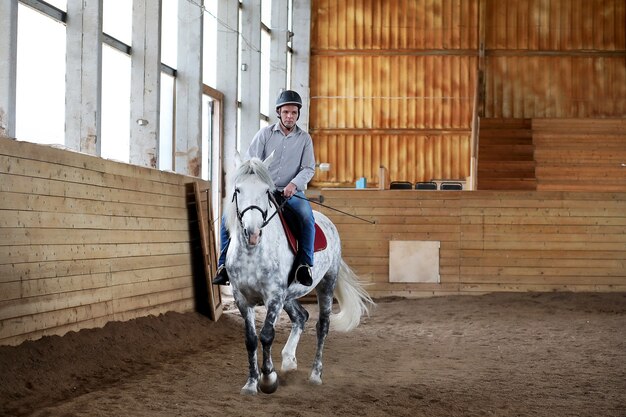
(288, 97)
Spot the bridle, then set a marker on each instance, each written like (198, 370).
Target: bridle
(272, 202)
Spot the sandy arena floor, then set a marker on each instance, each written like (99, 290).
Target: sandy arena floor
(558, 354)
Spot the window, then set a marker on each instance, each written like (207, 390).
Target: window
(117, 20)
(115, 130)
(169, 33)
(40, 85)
(166, 128)
(209, 67)
(59, 4)
(265, 72)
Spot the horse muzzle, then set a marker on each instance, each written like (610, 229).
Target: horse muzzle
(253, 238)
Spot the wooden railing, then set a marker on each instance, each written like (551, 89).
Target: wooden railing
(490, 240)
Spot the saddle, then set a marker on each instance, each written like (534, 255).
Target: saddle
(291, 224)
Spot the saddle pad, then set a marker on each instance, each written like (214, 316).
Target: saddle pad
(320, 237)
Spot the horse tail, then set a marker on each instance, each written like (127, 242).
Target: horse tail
(353, 300)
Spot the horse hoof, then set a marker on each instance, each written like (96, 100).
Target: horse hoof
(269, 383)
(315, 379)
(289, 365)
(249, 388)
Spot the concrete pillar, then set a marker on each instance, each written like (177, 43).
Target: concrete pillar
(278, 52)
(301, 44)
(145, 90)
(83, 76)
(8, 68)
(250, 72)
(228, 74)
(188, 129)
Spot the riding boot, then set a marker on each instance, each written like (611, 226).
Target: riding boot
(221, 277)
(303, 275)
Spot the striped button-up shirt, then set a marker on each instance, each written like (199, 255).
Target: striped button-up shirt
(293, 160)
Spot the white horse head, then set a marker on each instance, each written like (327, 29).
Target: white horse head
(251, 202)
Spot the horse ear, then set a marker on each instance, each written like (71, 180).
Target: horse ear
(238, 160)
(268, 160)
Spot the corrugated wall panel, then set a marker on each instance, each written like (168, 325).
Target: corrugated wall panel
(394, 25)
(374, 92)
(555, 58)
(408, 156)
(555, 86)
(392, 84)
(556, 25)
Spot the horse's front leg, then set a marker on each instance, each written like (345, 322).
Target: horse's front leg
(269, 378)
(252, 342)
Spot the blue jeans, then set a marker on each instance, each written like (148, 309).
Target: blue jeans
(307, 237)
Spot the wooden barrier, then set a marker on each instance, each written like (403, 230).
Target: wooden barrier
(490, 240)
(580, 154)
(84, 241)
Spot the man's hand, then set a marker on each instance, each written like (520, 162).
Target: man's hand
(290, 190)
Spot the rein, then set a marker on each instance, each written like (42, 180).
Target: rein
(319, 203)
(279, 207)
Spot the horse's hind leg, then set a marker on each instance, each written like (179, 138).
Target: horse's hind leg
(325, 302)
(299, 317)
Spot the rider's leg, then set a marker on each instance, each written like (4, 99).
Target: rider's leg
(307, 238)
(221, 276)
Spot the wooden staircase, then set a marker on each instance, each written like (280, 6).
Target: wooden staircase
(506, 155)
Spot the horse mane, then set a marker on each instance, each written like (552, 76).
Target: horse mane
(253, 167)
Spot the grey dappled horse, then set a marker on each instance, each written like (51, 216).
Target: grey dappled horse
(258, 263)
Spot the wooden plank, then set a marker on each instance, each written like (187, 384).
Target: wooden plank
(23, 236)
(56, 330)
(48, 253)
(51, 220)
(539, 256)
(73, 175)
(149, 288)
(55, 322)
(138, 276)
(53, 302)
(209, 248)
(128, 308)
(47, 187)
(49, 203)
(39, 270)
(469, 288)
(64, 157)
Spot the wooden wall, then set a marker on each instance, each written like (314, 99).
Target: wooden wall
(84, 241)
(555, 58)
(580, 154)
(490, 240)
(393, 83)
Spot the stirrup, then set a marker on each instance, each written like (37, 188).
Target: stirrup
(221, 276)
(303, 275)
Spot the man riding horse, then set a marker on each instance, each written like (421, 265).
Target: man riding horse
(291, 169)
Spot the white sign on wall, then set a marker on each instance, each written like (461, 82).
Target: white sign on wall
(414, 261)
